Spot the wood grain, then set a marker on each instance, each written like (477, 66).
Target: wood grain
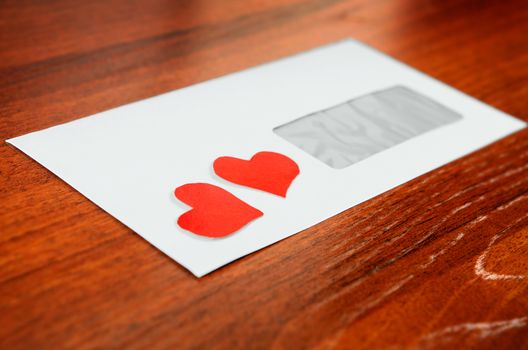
(439, 262)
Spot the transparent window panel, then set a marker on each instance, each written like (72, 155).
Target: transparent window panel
(354, 130)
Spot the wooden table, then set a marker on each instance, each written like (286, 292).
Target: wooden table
(441, 261)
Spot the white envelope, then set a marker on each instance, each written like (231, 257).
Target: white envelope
(130, 159)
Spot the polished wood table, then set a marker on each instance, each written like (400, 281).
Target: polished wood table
(439, 262)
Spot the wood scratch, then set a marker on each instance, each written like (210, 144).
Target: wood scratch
(512, 202)
(376, 300)
(480, 269)
(483, 329)
(432, 257)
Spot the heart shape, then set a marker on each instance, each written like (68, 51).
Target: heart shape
(267, 171)
(216, 212)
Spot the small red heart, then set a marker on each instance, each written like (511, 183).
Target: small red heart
(216, 212)
(267, 171)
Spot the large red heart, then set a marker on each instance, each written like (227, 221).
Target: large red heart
(216, 212)
(267, 171)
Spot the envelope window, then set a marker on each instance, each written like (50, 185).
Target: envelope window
(356, 129)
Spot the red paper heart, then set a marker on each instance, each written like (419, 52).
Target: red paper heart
(215, 213)
(267, 171)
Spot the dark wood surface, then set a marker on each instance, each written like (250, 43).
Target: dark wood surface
(441, 261)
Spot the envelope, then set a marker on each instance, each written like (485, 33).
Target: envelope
(354, 121)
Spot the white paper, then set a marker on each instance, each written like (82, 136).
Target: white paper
(130, 159)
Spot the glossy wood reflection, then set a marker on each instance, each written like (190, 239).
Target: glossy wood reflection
(439, 262)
